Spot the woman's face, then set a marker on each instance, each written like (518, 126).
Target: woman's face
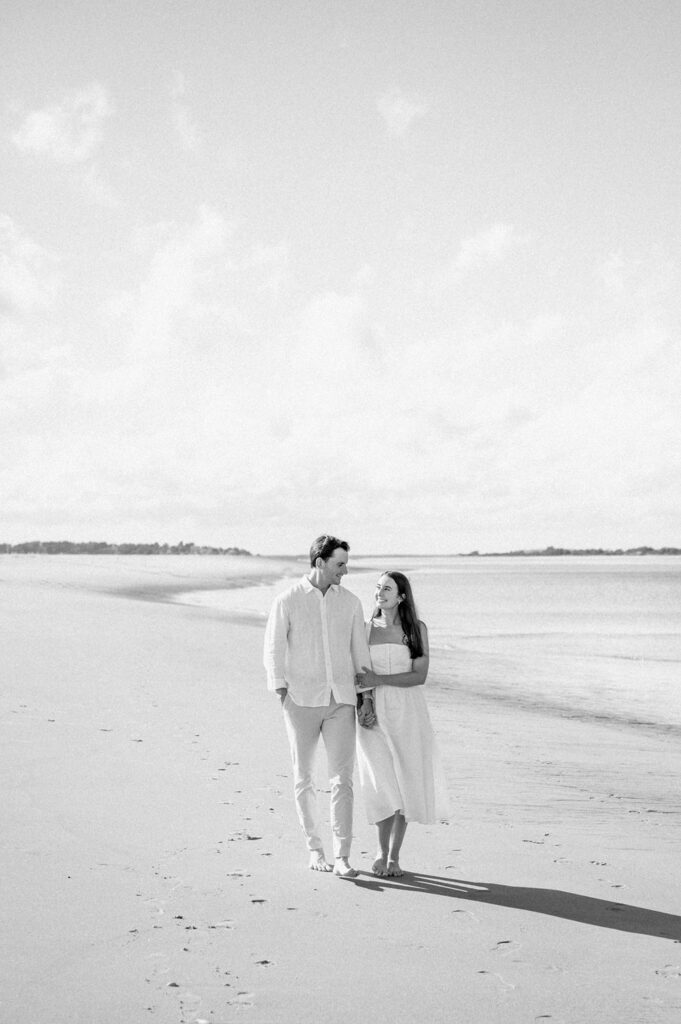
(387, 595)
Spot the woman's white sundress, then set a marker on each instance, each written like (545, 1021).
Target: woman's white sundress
(397, 761)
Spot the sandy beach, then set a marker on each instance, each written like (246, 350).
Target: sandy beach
(153, 868)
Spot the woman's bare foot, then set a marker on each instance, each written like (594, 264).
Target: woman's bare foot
(342, 868)
(393, 869)
(379, 866)
(318, 861)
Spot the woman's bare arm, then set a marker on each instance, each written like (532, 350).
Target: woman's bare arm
(416, 677)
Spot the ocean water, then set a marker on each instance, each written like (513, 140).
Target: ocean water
(595, 638)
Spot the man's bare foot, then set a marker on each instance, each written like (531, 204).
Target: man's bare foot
(393, 869)
(379, 866)
(318, 861)
(342, 868)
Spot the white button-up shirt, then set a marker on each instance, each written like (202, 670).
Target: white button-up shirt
(315, 643)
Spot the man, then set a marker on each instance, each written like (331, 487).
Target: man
(315, 643)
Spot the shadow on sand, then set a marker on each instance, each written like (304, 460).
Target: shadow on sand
(568, 905)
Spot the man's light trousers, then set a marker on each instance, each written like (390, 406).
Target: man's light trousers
(335, 723)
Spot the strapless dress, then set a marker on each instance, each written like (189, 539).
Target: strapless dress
(398, 765)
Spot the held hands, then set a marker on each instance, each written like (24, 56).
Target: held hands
(366, 679)
(366, 714)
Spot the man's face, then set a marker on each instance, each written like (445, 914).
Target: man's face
(334, 568)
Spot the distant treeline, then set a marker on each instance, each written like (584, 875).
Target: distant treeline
(97, 547)
(577, 551)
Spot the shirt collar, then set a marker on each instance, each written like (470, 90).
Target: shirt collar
(308, 587)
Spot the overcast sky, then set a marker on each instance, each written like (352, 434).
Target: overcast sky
(408, 272)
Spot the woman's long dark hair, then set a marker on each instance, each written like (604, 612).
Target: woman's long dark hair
(408, 615)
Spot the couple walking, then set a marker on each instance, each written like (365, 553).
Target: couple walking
(319, 655)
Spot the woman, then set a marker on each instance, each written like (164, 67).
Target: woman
(396, 754)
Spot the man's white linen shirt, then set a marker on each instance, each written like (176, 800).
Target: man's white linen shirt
(315, 643)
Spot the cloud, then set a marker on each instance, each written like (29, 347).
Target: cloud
(96, 188)
(545, 328)
(399, 111)
(612, 273)
(69, 132)
(186, 129)
(272, 263)
(334, 326)
(488, 246)
(636, 281)
(172, 286)
(28, 277)
(239, 412)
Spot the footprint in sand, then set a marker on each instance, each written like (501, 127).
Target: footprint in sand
(465, 914)
(159, 967)
(242, 999)
(670, 972)
(189, 1004)
(507, 947)
(506, 985)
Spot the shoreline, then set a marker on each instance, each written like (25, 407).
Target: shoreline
(173, 593)
(143, 577)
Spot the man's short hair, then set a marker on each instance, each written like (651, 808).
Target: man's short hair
(323, 547)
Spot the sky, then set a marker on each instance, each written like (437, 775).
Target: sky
(405, 272)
